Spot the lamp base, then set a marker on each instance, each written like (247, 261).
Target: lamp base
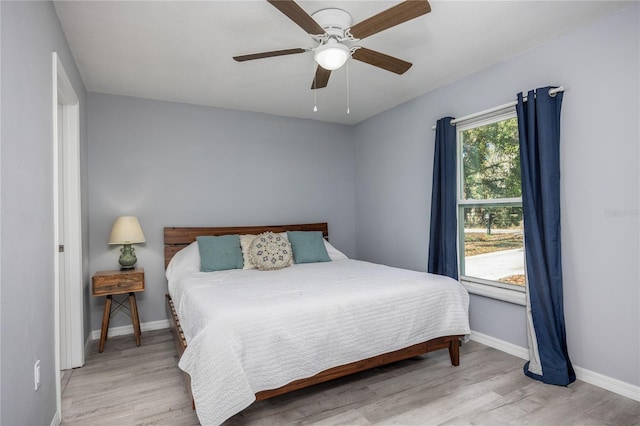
(128, 258)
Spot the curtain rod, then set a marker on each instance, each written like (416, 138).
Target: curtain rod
(552, 92)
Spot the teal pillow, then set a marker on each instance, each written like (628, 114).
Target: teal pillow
(220, 253)
(308, 246)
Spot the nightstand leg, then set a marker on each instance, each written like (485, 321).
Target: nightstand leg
(105, 322)
(134, 317)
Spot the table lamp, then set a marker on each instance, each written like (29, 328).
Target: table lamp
(126, 231)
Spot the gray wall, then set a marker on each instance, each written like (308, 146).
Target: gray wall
(30, 32)
(599, 66)
(174, 164)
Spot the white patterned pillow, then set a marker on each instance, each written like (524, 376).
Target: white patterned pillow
(270, 251)
(245, 245)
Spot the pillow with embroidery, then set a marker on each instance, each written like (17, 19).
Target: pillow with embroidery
(270, 251)
(245, 245)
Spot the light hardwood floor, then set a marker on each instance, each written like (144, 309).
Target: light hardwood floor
(130, 385)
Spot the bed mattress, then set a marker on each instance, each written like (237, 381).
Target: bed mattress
(250, 330)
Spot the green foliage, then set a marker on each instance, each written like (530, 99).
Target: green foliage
(491, 170)
(491, 161)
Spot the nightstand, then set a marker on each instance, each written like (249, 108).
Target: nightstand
(110, 283)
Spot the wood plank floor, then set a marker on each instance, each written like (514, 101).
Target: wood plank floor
(130, 385)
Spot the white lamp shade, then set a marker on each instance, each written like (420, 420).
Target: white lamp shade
(332, 55)
(126, 230)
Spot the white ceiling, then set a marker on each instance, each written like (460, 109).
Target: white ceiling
(182, 50)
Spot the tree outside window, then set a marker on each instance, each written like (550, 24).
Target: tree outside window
(490, 202)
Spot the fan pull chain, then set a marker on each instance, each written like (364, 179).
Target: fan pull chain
(348, 88)
(315, 88)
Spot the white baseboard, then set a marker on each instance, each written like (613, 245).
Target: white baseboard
(56, 419)
(501, 345)
(608, 383)
(87, 344)
(128, 329)
(614, 385)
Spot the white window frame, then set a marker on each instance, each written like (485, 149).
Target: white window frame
(487, 288)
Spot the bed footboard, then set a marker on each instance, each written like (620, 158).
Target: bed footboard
(452, 343)
(447, 342)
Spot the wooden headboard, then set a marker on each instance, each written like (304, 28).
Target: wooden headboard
(177, 238)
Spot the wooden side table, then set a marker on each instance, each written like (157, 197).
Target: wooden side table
(108, 283)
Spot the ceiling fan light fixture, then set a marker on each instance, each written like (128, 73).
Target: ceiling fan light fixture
(332, 55)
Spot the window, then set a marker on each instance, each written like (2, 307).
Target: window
(490, 226)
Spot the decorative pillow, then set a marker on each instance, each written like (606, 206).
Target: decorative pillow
(308, 246)
(270, 251)
(245, 244)
(220, 253)
(334, 253)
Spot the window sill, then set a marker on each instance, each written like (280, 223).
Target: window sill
(506, 295)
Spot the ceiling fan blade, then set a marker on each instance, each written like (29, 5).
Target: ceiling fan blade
(294, 12)
(381, 60)
(402, 12)
(261, 55)
(321, 78)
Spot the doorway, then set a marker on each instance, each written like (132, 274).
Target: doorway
(68, 277)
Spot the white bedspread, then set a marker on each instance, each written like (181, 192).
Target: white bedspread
(250, 330)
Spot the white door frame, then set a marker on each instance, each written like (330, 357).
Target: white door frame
(72, 288)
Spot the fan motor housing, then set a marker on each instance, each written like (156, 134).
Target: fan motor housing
(333, 21)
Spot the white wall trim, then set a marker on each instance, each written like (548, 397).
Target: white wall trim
(614, 385)
(501, 345)
(64, 93)
(56, 419)
(128, 329)
(87, 344)
(493, 292)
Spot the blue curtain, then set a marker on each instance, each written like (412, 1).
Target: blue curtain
(539, 129)
(443, 255)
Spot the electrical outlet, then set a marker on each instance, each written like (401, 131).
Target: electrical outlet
(36, 374)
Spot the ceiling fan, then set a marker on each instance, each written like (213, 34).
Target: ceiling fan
(331, 30)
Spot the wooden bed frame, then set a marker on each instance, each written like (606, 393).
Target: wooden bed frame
(176, 238)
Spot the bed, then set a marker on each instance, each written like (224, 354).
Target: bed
(247, 335)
